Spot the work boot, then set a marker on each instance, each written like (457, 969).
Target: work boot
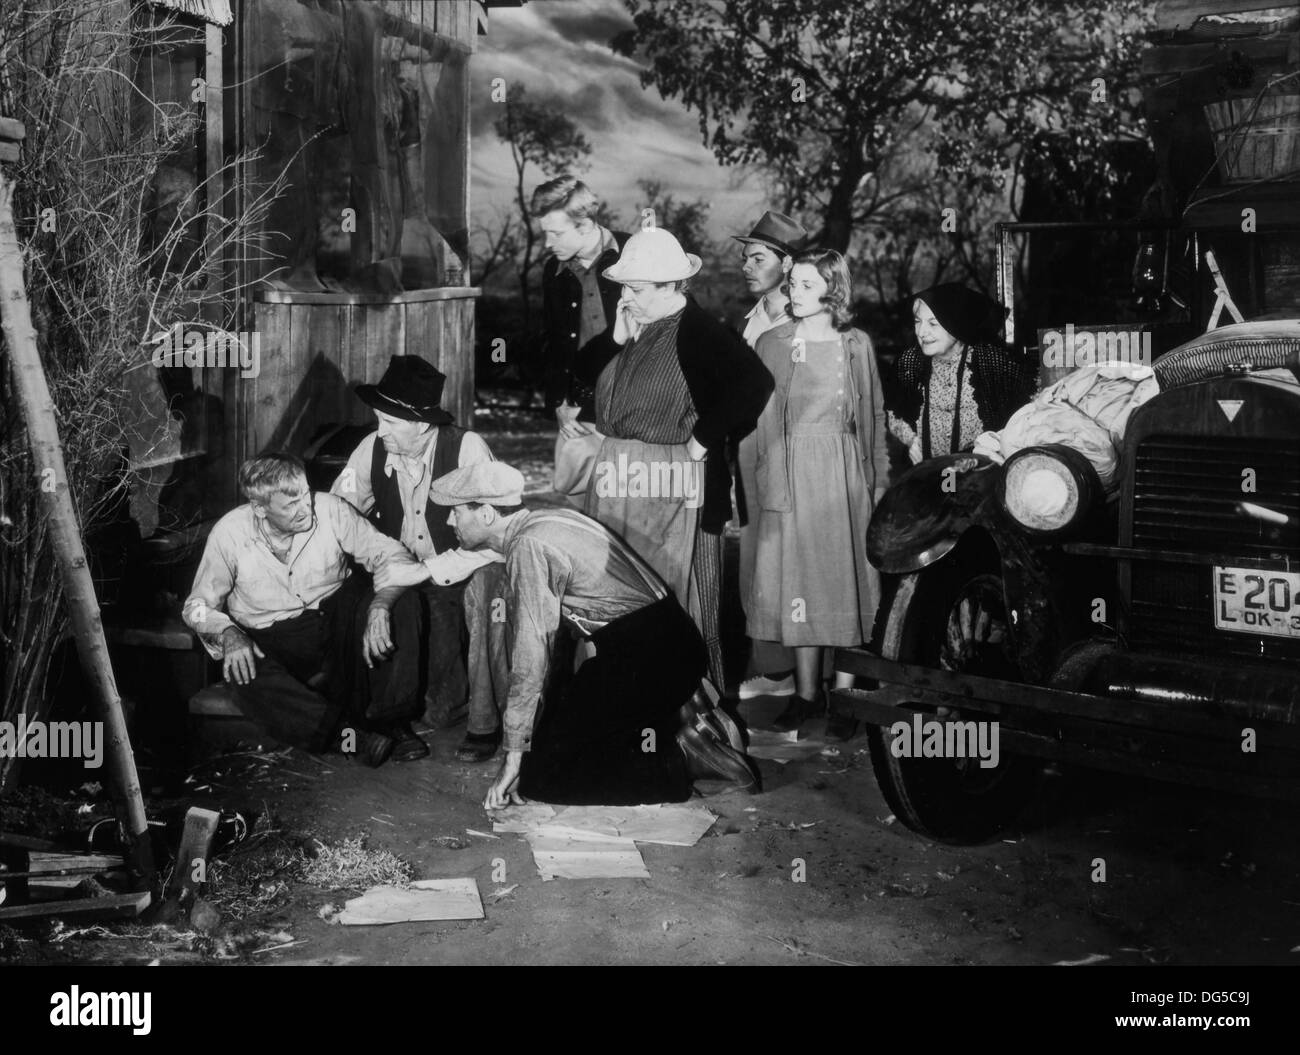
(710, 759)
(478, 747)
(373, 748)
(407, 747)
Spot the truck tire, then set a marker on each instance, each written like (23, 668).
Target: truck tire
(952, 616)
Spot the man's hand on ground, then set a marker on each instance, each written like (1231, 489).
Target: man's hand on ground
(504, 789)
(238, 650)
(377, 640)
(401, 574)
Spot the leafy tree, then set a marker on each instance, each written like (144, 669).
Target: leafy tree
(539, 134)
(827, 97)
(687, 221)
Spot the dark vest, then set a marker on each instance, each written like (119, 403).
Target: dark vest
(387, 512)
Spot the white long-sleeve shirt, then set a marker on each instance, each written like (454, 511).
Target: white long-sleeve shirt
(414, 476)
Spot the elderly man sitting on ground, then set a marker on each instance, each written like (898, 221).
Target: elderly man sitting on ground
(315, 655)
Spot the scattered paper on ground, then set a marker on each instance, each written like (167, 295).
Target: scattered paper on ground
(424, 900)
(783, 747)
(1091, 958)
(521, 819)
(582, 855)
(599, 842)
(672, 824)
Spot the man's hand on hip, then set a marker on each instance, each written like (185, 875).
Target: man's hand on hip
(377, 640)
(505, 789)
(238, 651)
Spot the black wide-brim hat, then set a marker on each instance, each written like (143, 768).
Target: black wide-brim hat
(411, 389)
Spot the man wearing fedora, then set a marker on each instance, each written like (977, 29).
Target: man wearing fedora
(387, 478)
(765, 259)
(632, 725)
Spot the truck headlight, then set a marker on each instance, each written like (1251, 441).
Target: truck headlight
(1049, 489)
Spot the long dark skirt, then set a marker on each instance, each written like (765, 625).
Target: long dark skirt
(609, 736)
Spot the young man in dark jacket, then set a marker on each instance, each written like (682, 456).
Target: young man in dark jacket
(578, 301)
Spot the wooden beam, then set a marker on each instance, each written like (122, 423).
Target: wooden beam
(32, 397)
(86, 909)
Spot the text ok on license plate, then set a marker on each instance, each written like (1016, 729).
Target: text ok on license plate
(1253, 601)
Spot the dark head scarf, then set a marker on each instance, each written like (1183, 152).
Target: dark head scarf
(1001, 381)
(969, 316)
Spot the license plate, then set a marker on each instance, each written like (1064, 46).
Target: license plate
(1251, 601)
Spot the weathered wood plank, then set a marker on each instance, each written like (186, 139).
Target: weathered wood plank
(262, 395)
(385, 337)
(192, 858)
(118, 906)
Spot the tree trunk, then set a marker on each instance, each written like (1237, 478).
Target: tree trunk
(837, 225)
(33, 398)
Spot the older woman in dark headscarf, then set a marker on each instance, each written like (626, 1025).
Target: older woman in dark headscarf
(959, 379)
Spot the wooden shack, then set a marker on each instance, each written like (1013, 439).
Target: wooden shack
(352, 121)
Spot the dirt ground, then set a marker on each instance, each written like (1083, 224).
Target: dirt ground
(1191, 877)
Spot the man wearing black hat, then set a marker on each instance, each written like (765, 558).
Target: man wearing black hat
(387, 478)
(764, 264)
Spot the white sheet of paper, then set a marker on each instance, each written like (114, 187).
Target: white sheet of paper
(670, 824)
(521, 819)
(568, 854)
(423, 900)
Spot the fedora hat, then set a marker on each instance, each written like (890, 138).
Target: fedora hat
(411, 389)
(777, 231)
(653, 255)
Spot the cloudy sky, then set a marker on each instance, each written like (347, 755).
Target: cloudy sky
(561, 48)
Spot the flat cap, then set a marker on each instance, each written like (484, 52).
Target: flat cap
(494, 482)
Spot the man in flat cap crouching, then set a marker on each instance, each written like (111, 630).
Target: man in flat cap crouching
(632, 725)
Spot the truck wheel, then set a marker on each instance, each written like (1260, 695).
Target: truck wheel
(951, 617)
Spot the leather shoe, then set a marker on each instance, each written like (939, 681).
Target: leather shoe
(407, 746)
(840, 726)
(373, 748)
(709, 759)
(705, 714)
(798, 711)
(478, 747)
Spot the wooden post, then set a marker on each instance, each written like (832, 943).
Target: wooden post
(33, 397)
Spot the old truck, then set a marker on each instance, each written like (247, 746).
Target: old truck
(1155, 633)
(1035, 619)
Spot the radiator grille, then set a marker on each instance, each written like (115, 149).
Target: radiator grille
(1185, 495)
